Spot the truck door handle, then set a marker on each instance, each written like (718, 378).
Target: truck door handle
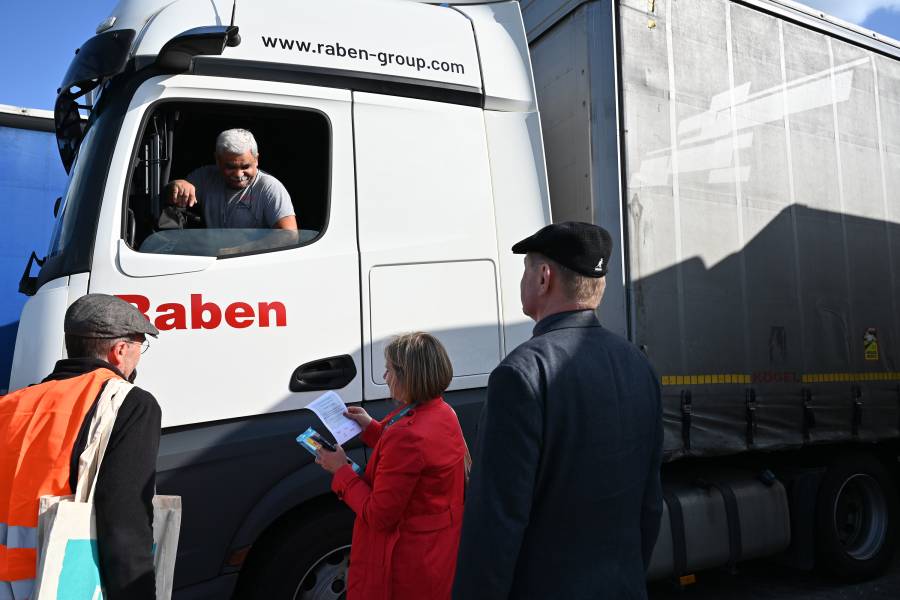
(324, 374)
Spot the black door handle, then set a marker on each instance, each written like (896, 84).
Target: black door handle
(324, 374)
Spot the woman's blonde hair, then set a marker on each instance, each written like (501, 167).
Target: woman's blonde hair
(421, 365)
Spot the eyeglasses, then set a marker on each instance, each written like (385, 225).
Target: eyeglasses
(145, 344)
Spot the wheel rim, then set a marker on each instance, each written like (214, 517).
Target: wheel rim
(327, 578)
(861, 516)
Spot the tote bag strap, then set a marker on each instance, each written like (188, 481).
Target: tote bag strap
(99, 432)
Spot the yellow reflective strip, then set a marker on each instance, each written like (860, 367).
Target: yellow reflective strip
(745, 378)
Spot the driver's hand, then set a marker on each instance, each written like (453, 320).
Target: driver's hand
(181, 193)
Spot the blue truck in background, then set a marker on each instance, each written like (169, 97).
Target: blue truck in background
(29, 187)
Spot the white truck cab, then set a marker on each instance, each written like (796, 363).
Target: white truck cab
(408, 138)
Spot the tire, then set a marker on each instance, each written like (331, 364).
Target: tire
(301, 560)
(856, 518)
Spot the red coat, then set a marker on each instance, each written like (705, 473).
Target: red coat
(408, 506)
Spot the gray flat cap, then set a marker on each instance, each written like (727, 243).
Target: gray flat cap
(105, 316)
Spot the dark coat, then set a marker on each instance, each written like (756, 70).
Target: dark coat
(408, 506)
(564, 499)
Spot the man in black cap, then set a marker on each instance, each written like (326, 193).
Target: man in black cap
(44, 430)
(564, 499)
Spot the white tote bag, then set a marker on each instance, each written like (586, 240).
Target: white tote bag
(68, 564)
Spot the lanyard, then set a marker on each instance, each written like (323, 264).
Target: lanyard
(398, 416)
(231, 202)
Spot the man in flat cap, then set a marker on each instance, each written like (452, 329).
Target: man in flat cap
(564, 499)
(44, 430)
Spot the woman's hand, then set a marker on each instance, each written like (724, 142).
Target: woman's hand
(331, 461)
(358, 414)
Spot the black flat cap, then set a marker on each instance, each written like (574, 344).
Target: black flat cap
(582, 247)
(105, 316)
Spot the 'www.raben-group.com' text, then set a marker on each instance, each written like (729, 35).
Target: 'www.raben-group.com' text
(383, 58)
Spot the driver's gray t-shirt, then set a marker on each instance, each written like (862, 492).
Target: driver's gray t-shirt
(258, 206)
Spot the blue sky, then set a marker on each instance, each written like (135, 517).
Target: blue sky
(882, 16)
(41, 36)
(39, 41)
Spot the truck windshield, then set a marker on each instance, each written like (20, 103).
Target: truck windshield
(64, 228)
(72, 241)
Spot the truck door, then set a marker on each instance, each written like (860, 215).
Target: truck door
(240, 310)
(428, 238)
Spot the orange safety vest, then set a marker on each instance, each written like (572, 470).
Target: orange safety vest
(38, 429)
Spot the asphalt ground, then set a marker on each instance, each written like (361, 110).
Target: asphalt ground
(764, 580)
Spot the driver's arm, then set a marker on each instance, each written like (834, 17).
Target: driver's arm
(289, 222)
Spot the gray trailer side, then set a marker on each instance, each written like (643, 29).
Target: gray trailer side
(754, 159)
(744, 154)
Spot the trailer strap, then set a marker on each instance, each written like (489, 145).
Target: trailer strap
(676, 525)
(898, 413)
(809, 415)
(686, 414)
(750, 403)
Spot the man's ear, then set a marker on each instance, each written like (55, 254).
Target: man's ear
(546, 276)
(116, 354)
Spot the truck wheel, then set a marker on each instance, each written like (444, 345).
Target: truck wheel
(856, 517)
(305, 560)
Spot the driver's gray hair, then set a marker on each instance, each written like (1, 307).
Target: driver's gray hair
(236, 141)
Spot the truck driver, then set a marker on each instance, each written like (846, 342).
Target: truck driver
(235, 193)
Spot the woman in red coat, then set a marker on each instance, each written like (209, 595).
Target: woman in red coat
(409, 503)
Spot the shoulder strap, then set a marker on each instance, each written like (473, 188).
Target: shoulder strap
(108, 403)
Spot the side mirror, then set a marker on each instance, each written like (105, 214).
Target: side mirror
(28, 284)
(178, 52)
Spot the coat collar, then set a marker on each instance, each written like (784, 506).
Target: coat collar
(422, 406)
(73, 367)
(427, 405)
(566, 320)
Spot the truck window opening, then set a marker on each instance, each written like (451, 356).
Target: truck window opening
(179, 138)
